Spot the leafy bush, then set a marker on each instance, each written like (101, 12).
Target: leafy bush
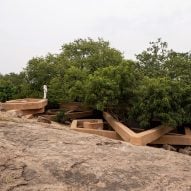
(160, 99)
(60, 117)
(111, 86)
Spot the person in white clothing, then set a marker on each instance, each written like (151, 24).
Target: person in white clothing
(45, 91)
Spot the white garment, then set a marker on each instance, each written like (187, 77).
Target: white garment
(45, 91)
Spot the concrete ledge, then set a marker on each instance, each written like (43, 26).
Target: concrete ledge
(187, 131)
(78, 125)
(74, 124)
(104, 133)
(125, 133)
(24, 104)
(153, 134)
(93, 125)
(32, 111)
(130, 136)
(173, 140)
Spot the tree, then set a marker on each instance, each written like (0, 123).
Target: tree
(164, 100)
(39, 71)
(112, 86)
(76, 62)
(7, 90)
(89, 55)
(151, 62)
(165, 90)
(178, 66)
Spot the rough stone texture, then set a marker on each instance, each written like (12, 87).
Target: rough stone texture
(169, 147)
(46, 157)
(43, 119)
(186, 150)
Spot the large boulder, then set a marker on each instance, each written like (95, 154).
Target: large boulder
(37, 156)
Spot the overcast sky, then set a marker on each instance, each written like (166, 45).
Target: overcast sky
(31, 28)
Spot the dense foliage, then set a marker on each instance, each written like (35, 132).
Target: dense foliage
(154, 87)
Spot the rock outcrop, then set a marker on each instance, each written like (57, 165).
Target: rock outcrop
(39, 156)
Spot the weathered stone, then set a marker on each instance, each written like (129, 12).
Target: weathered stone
(169, 147)
(185, 151)
(43, 119)
(14, 113)
(36, 156)
(29, 116)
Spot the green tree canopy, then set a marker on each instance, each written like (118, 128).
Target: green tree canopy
(154, 87)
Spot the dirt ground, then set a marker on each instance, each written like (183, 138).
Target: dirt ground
(44, 157)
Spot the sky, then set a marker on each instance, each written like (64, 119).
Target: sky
(30, 28)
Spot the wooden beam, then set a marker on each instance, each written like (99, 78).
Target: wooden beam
(142, 138)
(174, 140)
